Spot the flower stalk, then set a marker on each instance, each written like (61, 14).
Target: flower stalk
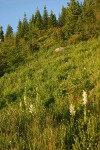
(85, 99)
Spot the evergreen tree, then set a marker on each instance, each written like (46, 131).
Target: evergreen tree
(9, 32)
(1, 34)
(45, 18)
(19, 30)
(31, 26)
(52, 22)
(19, 33)
(88, 19)
(62, 17)
(32, 22)
(38, 19)
(73, 11)
(33, 19)
(25, 27)
(96, 10)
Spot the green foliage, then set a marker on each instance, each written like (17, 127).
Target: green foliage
(1, 34)
(9, 32)
(19, 31)
(10, 58)
(78, 21)
(31, 25)
(62, 17)
(34, 47)
(45, 18)
(35, 100)
(72, 13)
(38, 19)
(52, 22)
(25, 28)
(89, 20)
(49, 100)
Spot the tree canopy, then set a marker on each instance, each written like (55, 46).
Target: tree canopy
(76, 22)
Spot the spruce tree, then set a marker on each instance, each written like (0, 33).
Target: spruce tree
(32, 22)
(9, 32)
(9, 36)
(96, 10)
(73, 11)
(88, 19)
(38, 19)
(1, 34)
(62, 17)
(25, 27)
(45, 18)
(19, 30)
(52, 21)
(31, 26)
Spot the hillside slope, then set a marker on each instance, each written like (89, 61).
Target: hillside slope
(35, 100)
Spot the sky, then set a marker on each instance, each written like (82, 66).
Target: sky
(11, 11)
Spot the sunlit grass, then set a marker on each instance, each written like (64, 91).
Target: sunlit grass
(42, 105)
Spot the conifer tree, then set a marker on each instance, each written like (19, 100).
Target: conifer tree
(1, 34)
(45, 18)
(31, 25)
(19, 30)
(25, 27)
(32, 22)
(18, 33)
(73, 11)
(9, 32)
(88, 19)
(33, 19)
(62, 17)
(32, 31)
(38, 19)
(52, 21)
(96, 11)
(97, 15)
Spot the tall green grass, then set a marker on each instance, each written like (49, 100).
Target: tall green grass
(41, 103)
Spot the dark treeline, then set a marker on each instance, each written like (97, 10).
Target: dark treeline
(76, 22)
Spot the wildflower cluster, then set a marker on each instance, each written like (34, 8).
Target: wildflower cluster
(72, 107)
(84, 98)
(72, 110)
(31, 108)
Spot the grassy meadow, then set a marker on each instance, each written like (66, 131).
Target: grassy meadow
(52, 101)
